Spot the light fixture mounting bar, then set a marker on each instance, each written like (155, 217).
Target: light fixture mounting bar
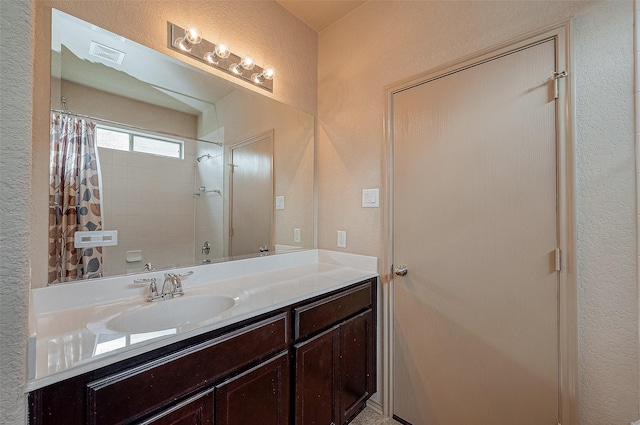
(199, 50)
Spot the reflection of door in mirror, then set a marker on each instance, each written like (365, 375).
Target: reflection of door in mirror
(251, 195)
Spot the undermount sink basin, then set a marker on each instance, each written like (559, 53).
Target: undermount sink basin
(171, 313)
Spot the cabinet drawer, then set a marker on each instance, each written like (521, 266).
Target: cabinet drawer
(126, 396)
(196, 410)
(317, 316)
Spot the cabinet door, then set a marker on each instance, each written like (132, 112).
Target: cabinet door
(357, 364)
(160, 382)
(197, 410)
(257, 396)
(316, 385)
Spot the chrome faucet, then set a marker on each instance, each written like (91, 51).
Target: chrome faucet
(172, 286)
(169, 285)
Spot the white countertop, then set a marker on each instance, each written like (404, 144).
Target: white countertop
(69, 327)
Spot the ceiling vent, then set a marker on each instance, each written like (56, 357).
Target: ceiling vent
(106, 53)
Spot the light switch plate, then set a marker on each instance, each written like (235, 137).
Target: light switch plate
(370, 198)
(342, 239)
(296, 235)
(279, 202)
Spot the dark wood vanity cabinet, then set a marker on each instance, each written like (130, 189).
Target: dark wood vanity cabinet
(258, 396)
(197, 410)
(335, 369)
(264, 371)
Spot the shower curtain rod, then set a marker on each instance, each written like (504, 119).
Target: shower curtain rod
(129, 126)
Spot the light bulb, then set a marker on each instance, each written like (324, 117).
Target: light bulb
(268, 72)
(235, 68)
(211, 57)
(222, 51)
(184, 44)
(247, 63)
(191, 36)
(257, 78)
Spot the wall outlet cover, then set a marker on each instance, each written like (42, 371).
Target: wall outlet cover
(279, 202)
(342, 239)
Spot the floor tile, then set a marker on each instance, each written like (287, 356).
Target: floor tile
(369, 417)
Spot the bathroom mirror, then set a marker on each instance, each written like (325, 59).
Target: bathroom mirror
(193, 169)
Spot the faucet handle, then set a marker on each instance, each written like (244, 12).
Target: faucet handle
(153, 288)
(145, 280)
(177, 283)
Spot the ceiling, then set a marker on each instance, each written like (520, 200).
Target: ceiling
(319, 14)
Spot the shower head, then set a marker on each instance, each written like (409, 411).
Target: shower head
(202, 156)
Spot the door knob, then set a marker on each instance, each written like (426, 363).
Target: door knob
(401, 270)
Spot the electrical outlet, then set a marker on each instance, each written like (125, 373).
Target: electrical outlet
(296, 235)
(342, 239)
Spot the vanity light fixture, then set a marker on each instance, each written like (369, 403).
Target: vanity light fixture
(220, 52)
(246, 63)
(189, 42)
(266, 74)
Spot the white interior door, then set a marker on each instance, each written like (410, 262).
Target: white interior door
(251, 195)
(476, 316)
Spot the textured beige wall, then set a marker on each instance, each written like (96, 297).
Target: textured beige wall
(383, 42)
(15, 189)
(637, 105)
(244, 117)
(606, 194)
(109, 106)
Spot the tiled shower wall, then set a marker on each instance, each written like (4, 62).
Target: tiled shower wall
(209, 205)
(149, 200)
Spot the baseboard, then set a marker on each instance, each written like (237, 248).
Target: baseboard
(402, 421)
(375, 405)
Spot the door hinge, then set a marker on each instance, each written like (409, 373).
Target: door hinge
(556, 77)
(558, 263)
